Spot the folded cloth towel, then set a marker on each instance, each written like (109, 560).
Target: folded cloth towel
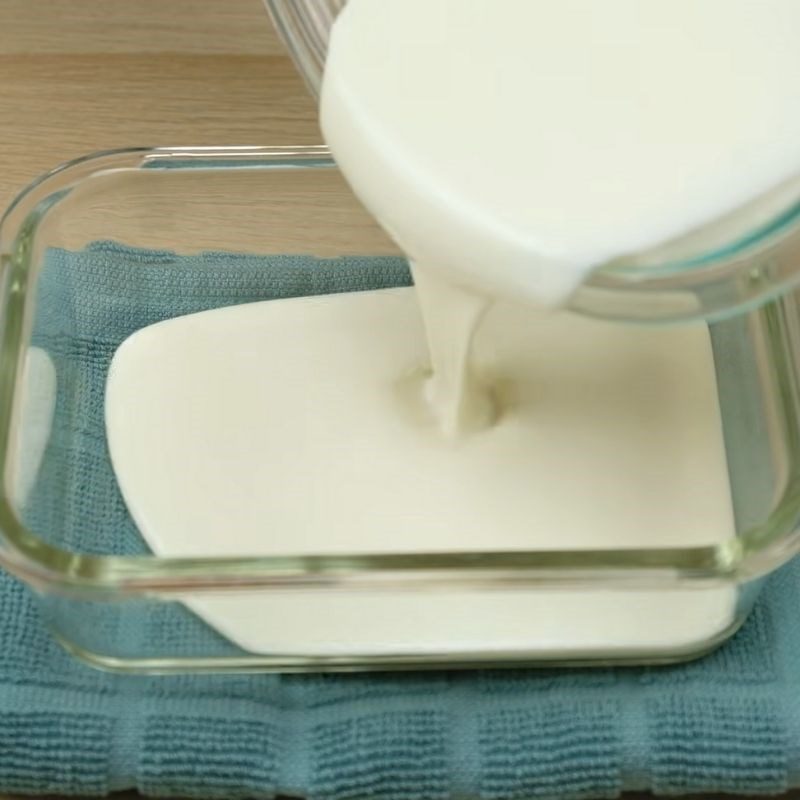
(729, 722)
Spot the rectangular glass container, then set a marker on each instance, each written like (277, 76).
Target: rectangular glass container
(109, 601)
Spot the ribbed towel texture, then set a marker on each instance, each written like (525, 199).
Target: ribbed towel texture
(730, 722)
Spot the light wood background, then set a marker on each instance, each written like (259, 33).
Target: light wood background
(81, 75)
(78, 76)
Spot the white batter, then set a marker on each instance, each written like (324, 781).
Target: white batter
(297, 426)
(510, 147)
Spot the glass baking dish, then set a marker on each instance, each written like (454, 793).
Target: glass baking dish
(116, 226)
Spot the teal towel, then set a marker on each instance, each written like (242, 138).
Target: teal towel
(730, 722)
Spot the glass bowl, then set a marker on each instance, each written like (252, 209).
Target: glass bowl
(90, 251)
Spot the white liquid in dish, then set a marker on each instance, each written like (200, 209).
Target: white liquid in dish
(287, 427)
(510, 147)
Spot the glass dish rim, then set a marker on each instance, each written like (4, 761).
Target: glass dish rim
(52, 569)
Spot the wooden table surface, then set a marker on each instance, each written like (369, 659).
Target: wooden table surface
(78, 76)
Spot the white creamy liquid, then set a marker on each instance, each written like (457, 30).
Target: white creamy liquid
(518, 144)
(513, 146)
(510, 147)
(287, 427)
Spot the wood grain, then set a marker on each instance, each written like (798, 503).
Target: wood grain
(78, 76)
(136, 26)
